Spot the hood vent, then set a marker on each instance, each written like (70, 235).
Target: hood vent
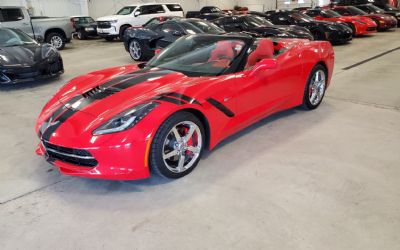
(100, 93)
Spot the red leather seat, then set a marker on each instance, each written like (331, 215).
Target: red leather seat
(223, 50)
(264, 50)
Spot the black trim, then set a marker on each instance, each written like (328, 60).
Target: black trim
(221, 107)
(171, 100)
(184, 97)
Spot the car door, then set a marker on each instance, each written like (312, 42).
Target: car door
(15, 18)
(170, 32)
(266, 91)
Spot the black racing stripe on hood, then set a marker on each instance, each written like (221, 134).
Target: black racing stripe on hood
(121, 83)
(79, 102)
(54, 125)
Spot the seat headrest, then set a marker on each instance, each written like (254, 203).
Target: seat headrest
(264, 50)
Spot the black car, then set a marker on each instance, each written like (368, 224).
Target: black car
(141, 43)
(206, 11)
(23, 59)
(321, 30)
(84, 26)
(260, 26)
(370, 8)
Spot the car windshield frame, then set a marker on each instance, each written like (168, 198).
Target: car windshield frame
(356, 10)
(130, 10)
(20, 38)
(375, 8)
(201, 24)
(256, 21)
(186, 53)
(300, 17)
(331, 13)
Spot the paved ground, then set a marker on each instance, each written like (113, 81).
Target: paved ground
(327, 179)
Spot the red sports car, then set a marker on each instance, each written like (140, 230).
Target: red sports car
(383, 21)
(359, 24)
(122, 122)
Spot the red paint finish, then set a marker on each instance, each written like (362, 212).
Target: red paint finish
(250, 94)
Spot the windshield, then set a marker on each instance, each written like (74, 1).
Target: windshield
(301, 18)
(356, 11)
(255, 21)
(376, 9)
(205, 26)
(215, 10)
(391, 8)
(331, 13)
(83, 20)
(11, 37)
(199, 55)
(126, 10)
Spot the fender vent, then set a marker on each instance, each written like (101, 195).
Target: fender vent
(100, 93)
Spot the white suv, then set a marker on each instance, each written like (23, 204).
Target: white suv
(110, 27)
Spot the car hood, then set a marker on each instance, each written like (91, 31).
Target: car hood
(26, 55)
(95, 93)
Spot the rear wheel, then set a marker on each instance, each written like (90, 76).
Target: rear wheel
(56, 39)
(81, 35)
(315, 88)
(139, 51)
(177, 146)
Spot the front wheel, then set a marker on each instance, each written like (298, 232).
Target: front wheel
(56, 39)
(138, 51)
(177, 146)
(81, 35)
(315, 88)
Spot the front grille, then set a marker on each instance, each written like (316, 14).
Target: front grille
(100, 93)
(371, 28)
(103, 24)
(79, 157)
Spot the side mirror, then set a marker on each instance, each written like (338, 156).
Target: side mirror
(176, 33)
(137, 13)
(265, 64)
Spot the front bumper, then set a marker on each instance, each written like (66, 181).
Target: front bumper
(339, 36)
(108, 32)
(40, 71)
(111, 162)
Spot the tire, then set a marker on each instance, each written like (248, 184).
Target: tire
(313, 89)
(81, 35)
(122, 32)
(167, 150)
(352, 27)
(318, 35)
(109, 39)
(56, 39)
(138, 51)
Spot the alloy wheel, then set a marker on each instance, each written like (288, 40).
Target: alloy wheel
(135, 50)
(317, 87)
(56, 41)
(182, 146)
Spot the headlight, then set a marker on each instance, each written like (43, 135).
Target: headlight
(359, 22)
(331, 27)
(126, 120)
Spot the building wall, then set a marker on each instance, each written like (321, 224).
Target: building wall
(51, 8)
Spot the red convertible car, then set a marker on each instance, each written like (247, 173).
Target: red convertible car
(122, 122)
(359, 24)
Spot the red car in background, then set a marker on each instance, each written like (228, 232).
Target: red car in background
(383, 21)
(359, 24)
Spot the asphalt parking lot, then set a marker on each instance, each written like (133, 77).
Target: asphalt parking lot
(326, 179)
